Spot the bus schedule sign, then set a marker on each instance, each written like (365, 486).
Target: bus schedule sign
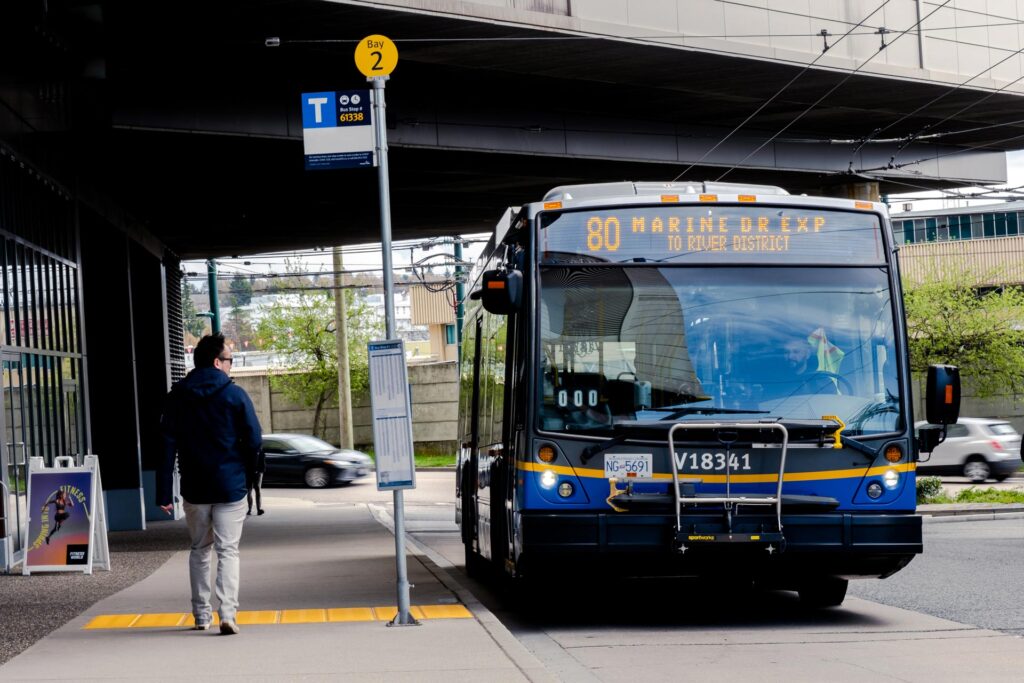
(703, 234)
(392, 415)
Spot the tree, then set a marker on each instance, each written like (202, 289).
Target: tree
(193, 325)
(303, 330)
(951, 321)
(240, 290)
(239, 327)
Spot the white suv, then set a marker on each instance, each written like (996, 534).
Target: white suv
(976, 448)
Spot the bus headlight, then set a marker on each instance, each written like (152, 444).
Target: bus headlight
(548, 479)
(565, 489)
(891, 479)
(874, 490)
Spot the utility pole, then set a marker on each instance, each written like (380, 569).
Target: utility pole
(341, 337)
(211, 277)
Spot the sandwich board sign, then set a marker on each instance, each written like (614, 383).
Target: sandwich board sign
(66, 525)
(392, 416)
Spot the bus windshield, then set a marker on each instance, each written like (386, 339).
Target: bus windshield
(644, 342)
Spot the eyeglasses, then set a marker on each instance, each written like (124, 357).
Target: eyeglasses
(229, 359)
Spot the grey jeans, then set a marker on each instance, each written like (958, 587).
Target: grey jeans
(218, 527)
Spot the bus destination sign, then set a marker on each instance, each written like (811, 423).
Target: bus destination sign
(718, 234)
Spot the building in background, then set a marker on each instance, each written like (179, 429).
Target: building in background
(986, 241)
(436, 310)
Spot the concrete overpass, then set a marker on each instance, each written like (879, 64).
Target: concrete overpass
(184, 117)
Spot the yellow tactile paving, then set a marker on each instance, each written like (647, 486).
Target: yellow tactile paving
(113, 621)
(157, 620)
(445, 612)
(350, 614)
(303, 616)
(258, 617)
(285, 616)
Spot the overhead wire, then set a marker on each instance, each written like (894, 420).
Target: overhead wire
(944, 94)
(935, 157)
(773, 97)
(831, 90)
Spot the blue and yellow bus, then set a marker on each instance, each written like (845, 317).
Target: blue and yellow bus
(691, 379)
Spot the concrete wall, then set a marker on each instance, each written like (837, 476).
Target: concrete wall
(1009, 407)
(435, 397)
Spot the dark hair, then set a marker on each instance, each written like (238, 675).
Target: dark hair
(207, 350)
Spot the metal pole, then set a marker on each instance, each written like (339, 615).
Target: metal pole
(460, 309)
(381, 144)
(345, 439)
(211, 278)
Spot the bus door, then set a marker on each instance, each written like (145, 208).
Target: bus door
(503, 469)
(469, 483)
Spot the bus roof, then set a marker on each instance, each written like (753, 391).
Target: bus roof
(629, 193)
(630, 189)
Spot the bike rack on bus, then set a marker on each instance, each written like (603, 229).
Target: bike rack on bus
(728, 500)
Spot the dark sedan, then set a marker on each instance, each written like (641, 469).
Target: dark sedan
(304, 459)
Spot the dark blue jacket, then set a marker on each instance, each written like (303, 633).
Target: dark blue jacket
(210, 424)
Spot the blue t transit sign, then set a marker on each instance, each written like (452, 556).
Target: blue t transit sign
(337, 130)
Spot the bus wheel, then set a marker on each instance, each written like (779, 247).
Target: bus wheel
(824, 592)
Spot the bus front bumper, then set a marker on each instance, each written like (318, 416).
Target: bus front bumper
(851, 545)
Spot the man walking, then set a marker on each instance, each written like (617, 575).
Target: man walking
(210, 425)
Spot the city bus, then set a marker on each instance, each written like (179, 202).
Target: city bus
(691, 379)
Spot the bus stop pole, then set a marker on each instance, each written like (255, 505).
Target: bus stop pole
(211, 278)
(381, 144)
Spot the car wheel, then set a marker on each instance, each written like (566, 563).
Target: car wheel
(977, 470)
(827, 592)
(317, 478)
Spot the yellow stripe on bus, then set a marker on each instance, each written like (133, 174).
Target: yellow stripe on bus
(735, 478)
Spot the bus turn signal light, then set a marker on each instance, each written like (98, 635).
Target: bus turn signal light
(893, 453)
(547, 453)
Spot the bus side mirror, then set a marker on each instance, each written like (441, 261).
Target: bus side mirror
(500, 291)
(942, 395)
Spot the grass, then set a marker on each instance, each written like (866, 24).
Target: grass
(974, 495)
(424, 459)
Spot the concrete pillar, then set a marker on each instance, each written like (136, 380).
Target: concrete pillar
(110, 326)
(865, 191)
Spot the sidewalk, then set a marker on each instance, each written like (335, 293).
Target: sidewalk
(321, 577)
(301, 566)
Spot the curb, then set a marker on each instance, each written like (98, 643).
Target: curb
(971, 516)
(525, 661)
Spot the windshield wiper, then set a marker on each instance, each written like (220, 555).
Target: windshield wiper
(707, 410)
